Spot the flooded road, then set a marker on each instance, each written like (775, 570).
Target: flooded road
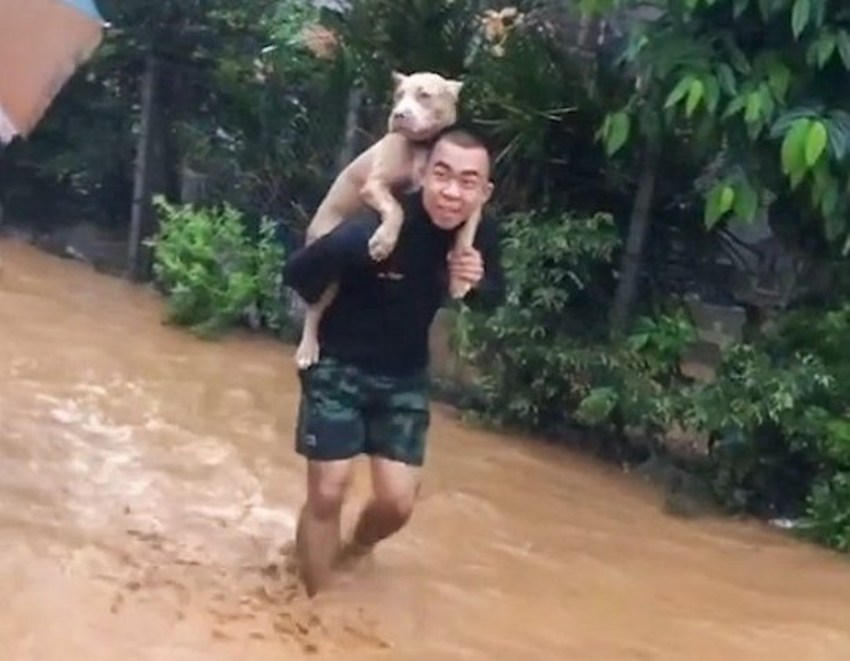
(147, 485)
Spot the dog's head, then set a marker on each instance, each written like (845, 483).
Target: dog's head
(424, 104)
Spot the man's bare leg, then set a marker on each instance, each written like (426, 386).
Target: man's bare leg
(395, 486)
(318, 535)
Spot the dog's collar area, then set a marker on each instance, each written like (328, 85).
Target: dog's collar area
(423, 141)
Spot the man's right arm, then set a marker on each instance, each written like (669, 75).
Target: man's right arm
(311, 269)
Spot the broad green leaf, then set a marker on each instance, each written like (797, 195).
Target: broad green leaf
(727, 79)
(767, 102)
(727, 198)
(843, 39)
(597, 405)
(618, 132)
(679, 92)
(823, 49)
(838, 130)
(718, 202)
(753, 107)
(712, 94)
(735, 106)
(815, 142)
(784, 123)
(779, 78)
(800, 16)
(797, 178)
(746, 202)
(793, 148)
(695, 95)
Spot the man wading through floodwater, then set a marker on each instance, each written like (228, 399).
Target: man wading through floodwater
(368, 394)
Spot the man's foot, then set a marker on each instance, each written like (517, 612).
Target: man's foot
(351, 554)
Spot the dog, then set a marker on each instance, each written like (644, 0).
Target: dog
(424, 103)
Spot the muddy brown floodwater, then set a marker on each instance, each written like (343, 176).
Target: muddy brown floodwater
(147, 485)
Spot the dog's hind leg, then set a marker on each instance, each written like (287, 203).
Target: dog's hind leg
(465, 239)
(307, 353)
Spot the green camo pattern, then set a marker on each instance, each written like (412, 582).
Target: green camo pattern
(346, 411)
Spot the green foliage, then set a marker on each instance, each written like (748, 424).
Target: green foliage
(638, 388)
(544, 357)
(779, 430)
(213, 274)
(772, 105)
(829, 511)
(526, 93)
(758, 411)
(826, 432)
(534, 369)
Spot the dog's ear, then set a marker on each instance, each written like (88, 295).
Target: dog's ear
(454, 87)
(398, 78)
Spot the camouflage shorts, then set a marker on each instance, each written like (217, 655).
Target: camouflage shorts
(346, 411)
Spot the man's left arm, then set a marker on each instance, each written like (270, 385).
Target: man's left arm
(311, 269)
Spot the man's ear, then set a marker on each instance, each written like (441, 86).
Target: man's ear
(488, 192)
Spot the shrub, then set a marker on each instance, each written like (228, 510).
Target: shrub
(213, 274)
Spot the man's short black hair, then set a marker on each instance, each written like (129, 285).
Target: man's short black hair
(465, 135)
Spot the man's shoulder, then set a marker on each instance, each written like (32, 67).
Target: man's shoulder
(365, 217)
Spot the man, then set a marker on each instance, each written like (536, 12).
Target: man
(368, 394)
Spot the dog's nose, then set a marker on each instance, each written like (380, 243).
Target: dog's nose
(401, 114)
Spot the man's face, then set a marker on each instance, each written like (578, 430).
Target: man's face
(457, 182)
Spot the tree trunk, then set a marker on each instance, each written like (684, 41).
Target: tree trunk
(639, 224)
(349, 140)
(142, 179)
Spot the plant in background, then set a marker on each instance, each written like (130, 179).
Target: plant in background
(763, 418)
(640, 388)
(269, 256)
(534, 352)
(213, 275)
(826, 434)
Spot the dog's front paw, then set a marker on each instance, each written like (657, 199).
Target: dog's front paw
(382, 242)
(458, 288)
(307, 353)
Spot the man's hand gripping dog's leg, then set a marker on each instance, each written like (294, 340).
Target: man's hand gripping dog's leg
(465, 239)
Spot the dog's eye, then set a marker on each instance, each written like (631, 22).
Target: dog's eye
(424, 94)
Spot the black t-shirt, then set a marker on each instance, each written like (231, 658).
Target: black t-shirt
(382, 312)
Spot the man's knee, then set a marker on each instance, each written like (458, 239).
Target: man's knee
(396, 507)
(327, 486)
